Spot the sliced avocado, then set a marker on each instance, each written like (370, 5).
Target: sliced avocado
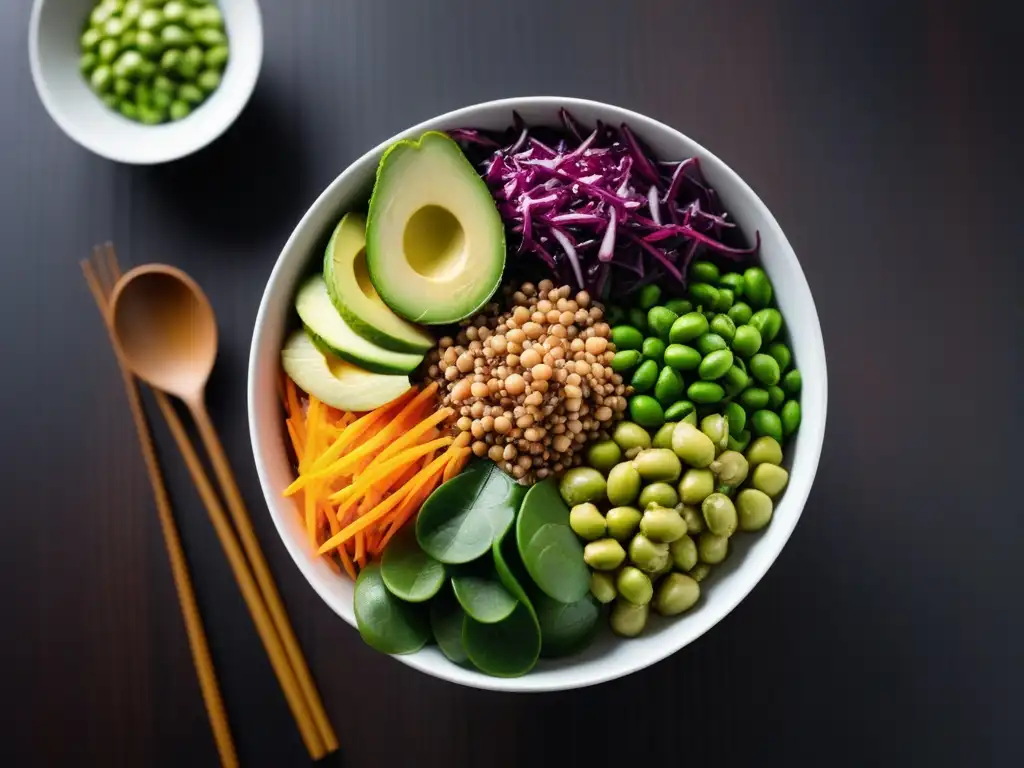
(435, 243)
(353, 295)
(329, 330)
(335, 382)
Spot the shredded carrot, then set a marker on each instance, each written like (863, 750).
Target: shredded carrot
(456, 463)
(411, 505)
(361, 549)
(367, 479)
(414, 434)
(296, 443)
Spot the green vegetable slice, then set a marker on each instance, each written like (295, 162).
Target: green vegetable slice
(460, 520)
(408, 572)
(446, 616)
(554, 560)
(386, 623)
(565, 628)
(542, 505)
(482, 595)
(507, 649)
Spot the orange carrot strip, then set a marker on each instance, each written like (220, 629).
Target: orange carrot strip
(382, 469)
(455, 464)
(294, 408)
(413, 435)
(309, 502)
(296, 443)
(312, 427)
(354, 430)
(409, 507)
(361, 549)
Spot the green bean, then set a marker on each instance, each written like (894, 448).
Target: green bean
(655, 465)
(768, 323)
(679, 306)
(626, 619)
(720, 514)
(770, 479)
(753, 398)
(659, 321)
(696, 485)
(669, 386)
(682, 357)
(790, 417)
(192, 95)
(683, 552)
(647, 555)
(711, 548)
(776, 397)
(731, 467)
(582, 484)
(628, 435)
(704, 271)
(662, 524)
(754, 508)
(603, 455)
(648, 296)
(216, 57)
(781, 353)
(688, 327)
(623, 484)
(733, 280)
(602, 586)
(764, 450)
(587, 521)
(746, 341)
(680, 410)
(659, 494)
(767, 424)
(645, 376)
(738, 441)
(653, 349)
(646, 411)
(101, 78)
(692, 517)
(705, 392)
(736, 415)
(757, 287)
(715, 365)
(710, 342)
(792, 382)
(604, 554)
(725, 300)
(724, 327)
(765, 369)
(716, 427)
(692, 446)
(622, 522)
(626, 337)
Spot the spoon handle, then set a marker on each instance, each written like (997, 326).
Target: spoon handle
(236, 506)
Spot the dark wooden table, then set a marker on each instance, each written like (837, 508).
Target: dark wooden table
(885, 138)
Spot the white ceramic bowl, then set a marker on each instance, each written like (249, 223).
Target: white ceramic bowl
(752, 554)
(54, 51)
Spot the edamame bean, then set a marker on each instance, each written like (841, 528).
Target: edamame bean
(681, 410)
(604, 554)
(179, 110)
(602, 586)
(765, 369)
(738, 441)
(710, 342)
(704, 294)
(692, 446)
(646, 411)
(716, 427)
(768, 323)
(733, 280)
(629, 435)
(622, 522)
(648, 555)
(659, 494)
(770, 479)
(624, 360)
(127, 64)
(682, 357)
(792, 382)
(767, 424)
(663, 437)
(113, 27)
(781, 353)
(102, 13)
(764, 450)
(704, 271)
(705, 392)
(696, 485)
(659, 321)
(587, 521)
(638, 318)
(209, 36)
(757, 287)
(692, 517)
(753, 398)
(725, 300)
(662, 524)
(746, 341)
(653, 349)
(626, 337)
(216, 57)
(174, 10)
(736, 415)
(754, 508)
(683, 552)
(190, 93)
(87, 63)
(151, 20)
(679, 306)
(715, 365)
(776, 397)
(626, 619)
(655, 465)
(90, 39)
(688, 327)
(108, 50)
(669, 387)
(623, 484)
(129, 110)
(122, 86)
(740, 313)
(111, 100)
(735, 379)
(151, 115)
(790, 417)
(170, 60)
(731, 467)
(101, 78)
(645, 376)
(712, 549)
(582, 484)
(648, 296)
(176, 36)
(723, 326)
(161, 100)
(699, 572)
(719, 514)
(604, 455)
(677, 593)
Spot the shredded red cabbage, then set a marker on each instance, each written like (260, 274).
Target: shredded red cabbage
(596, 205)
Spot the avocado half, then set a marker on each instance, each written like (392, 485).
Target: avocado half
(435, 242)
(353, 294)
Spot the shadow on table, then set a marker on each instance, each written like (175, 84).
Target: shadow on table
(247, 184)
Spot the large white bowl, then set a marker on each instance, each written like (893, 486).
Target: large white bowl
(752, 554)
(54, 51)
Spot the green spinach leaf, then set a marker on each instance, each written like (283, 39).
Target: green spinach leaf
(386, 623)
(446, 616)
(408, 572)
(481, 594)
(565, 628)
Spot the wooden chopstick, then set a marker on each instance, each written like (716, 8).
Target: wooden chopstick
(179, 567)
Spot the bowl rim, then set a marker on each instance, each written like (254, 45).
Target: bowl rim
(811, 442)
(156, 156)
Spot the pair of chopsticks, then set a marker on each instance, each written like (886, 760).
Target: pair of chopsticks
(250, 568)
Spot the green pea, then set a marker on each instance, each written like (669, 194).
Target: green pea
(660, 320)
(128, 64)
(163, 83)
(738, 441)
(740, 313)
(663, 437)
(792, 382)
(623, 484)
(582, 484)
(191, 61)
(731, 467)
(113, 27)
(669, 387)
(746, 341)
(604, 455)
(151, 115)
(645, 376)
(711, 548)
(176, 36)
(683, 552)
(699, 572)
(692, 517)
(653, 349)
(161, 100)
(638, 318)
(680, 410)
(776, 397)
(123, 86)
(648, 555)
(626, 619)
(192, 95)
(622, 522)
(705, 392)
(679, 306)
(704, 271)
(148, 43)
(677, 593)
(108, 50)
(768, 323)
(626, 359)
(628, 435)
(736, 415)
(692, 446)
(781, 353)
(587, 521)
(733, 281)
(735, 379)
(602, 587)
(90, 39)
(129, 110)
(765, 450)
(757, 287)
(648, 296)
(174, 10)
(688, 327)
(101, 78)
(754, 508)
(659, 494)
(216, 57)
(102, 13)
(662, 524)
(682, 357)
(131, 11)
(715, 365)
(765, 369)
(626, 337)
(129, 39)
(704, 294)
(214, 18)
(716, 427)
(723, 326)
(111, 100)
(770, 479)
(696, 485)
(604, 554)
(170, 60)
(767, 424)
(719, 514)
(710, 342)
(151, 20)
(142, 95)
(87, 63)
(646, 411)
(725, 300)
(210, 37)
(790, 417)
(654, 465)
(634, 585)
(753, 399)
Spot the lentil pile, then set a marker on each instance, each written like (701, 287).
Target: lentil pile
(534, 383)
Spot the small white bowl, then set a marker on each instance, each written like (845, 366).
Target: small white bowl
(752, 554)
(54, 52)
